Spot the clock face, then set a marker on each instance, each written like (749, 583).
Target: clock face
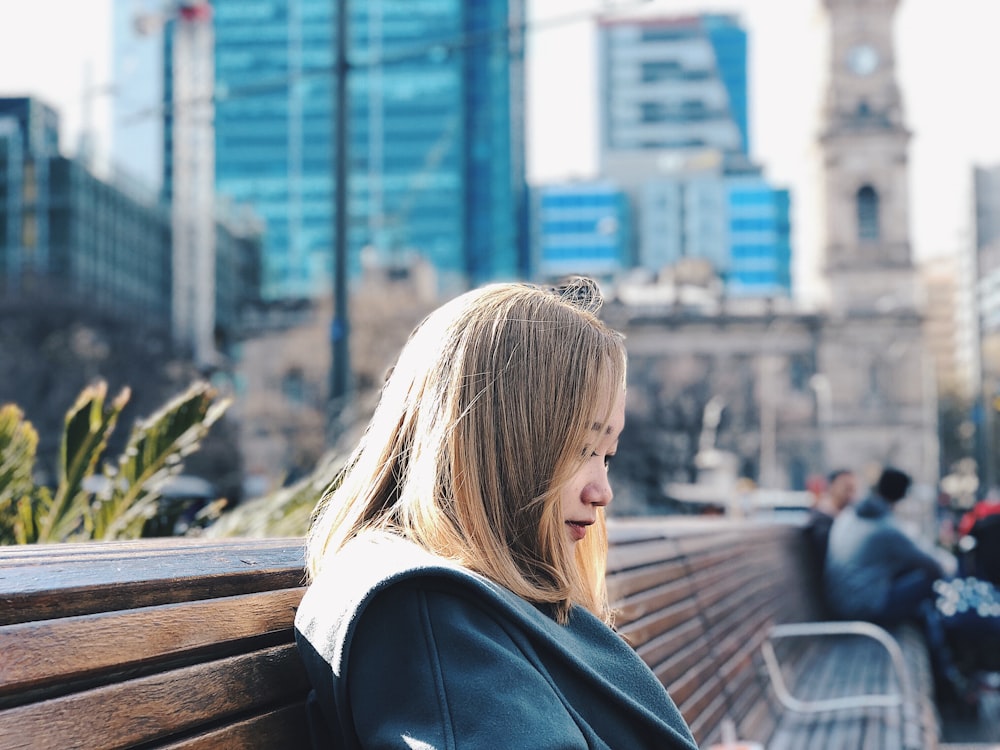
(862, 59)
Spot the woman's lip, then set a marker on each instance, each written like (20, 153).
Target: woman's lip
(578, 529)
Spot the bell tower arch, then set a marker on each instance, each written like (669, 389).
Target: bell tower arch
(883, 402)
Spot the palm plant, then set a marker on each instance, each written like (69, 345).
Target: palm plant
(115, 501)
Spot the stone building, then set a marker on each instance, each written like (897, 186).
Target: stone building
(883, 399)
(849, 385)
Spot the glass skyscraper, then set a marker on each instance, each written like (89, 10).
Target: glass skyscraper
(435, 134)
(673, 83)
(582, 228)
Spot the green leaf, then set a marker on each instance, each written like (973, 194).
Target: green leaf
(18, 446)
(88, 425)
(154, 453)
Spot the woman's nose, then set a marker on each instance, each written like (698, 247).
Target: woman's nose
(598, 492)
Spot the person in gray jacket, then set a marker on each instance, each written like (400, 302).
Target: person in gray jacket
(874, 570)
(457, 596)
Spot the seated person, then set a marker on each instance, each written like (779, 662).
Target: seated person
(841, 486)
(982, 524)
(874, 571)
(457, 595)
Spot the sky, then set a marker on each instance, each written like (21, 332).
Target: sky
(947, 61)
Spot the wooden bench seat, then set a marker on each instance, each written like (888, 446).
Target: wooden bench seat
(850, 666)
(187, 643)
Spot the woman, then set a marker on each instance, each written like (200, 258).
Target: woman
(457, 595)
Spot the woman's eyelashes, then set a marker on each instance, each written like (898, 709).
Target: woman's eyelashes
(607, 458)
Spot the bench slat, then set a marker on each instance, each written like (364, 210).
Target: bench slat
(155, 707)
(284, 727)
(76, 647)
(68, 580)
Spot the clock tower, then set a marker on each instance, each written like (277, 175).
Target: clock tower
(883, 407)
(868, 263)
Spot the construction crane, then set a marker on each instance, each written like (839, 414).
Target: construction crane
(192, 187)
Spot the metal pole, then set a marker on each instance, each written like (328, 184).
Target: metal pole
(340, 326)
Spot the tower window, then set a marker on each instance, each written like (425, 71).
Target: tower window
(868, 219)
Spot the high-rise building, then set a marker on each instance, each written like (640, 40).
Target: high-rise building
(273, 133)
(949, 328)
(675, 135)
(435, 134)
(986, 269)
(986, 196)
(582, 228)
(66, 232)
(674, 83)
(760, 251)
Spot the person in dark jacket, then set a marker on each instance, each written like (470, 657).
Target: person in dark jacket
(840, 489)
(457, 595)
(838, 493)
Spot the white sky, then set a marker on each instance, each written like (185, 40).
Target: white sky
(947, 54)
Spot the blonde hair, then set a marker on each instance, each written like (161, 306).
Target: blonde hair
(482, 421)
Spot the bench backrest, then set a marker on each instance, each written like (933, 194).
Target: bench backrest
(188, 643)
(167, 643)
(696, 599)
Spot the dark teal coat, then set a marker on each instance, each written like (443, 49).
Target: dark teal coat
(405, 650)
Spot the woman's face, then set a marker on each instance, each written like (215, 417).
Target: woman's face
(588, 488)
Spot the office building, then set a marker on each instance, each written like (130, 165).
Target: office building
(735, 220)
(675, 135)
(949, 326)
(65, 232)
(438, 135)
(986, 197)
(581, 228)
(435, 135)
(760, 252)
(673, 84)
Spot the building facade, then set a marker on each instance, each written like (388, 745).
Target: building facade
(949, 325)
(67, 233)
(436, 143)
(273, 133)
(675, 135)
(438, 135)
(673, 84)
(736, 221)
(883, 400)
(792, 393)
(986, 266)
(581, 228)
(760, 249)
(986, 196)
(64, 231)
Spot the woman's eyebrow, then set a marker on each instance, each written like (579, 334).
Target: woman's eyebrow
(596, 427)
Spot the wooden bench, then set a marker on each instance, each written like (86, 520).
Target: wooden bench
(188, 643)
(698, 599)
(180, 644)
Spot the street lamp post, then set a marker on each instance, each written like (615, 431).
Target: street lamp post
(820, 383)
(340, 325)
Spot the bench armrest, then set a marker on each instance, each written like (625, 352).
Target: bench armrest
(851, 627)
